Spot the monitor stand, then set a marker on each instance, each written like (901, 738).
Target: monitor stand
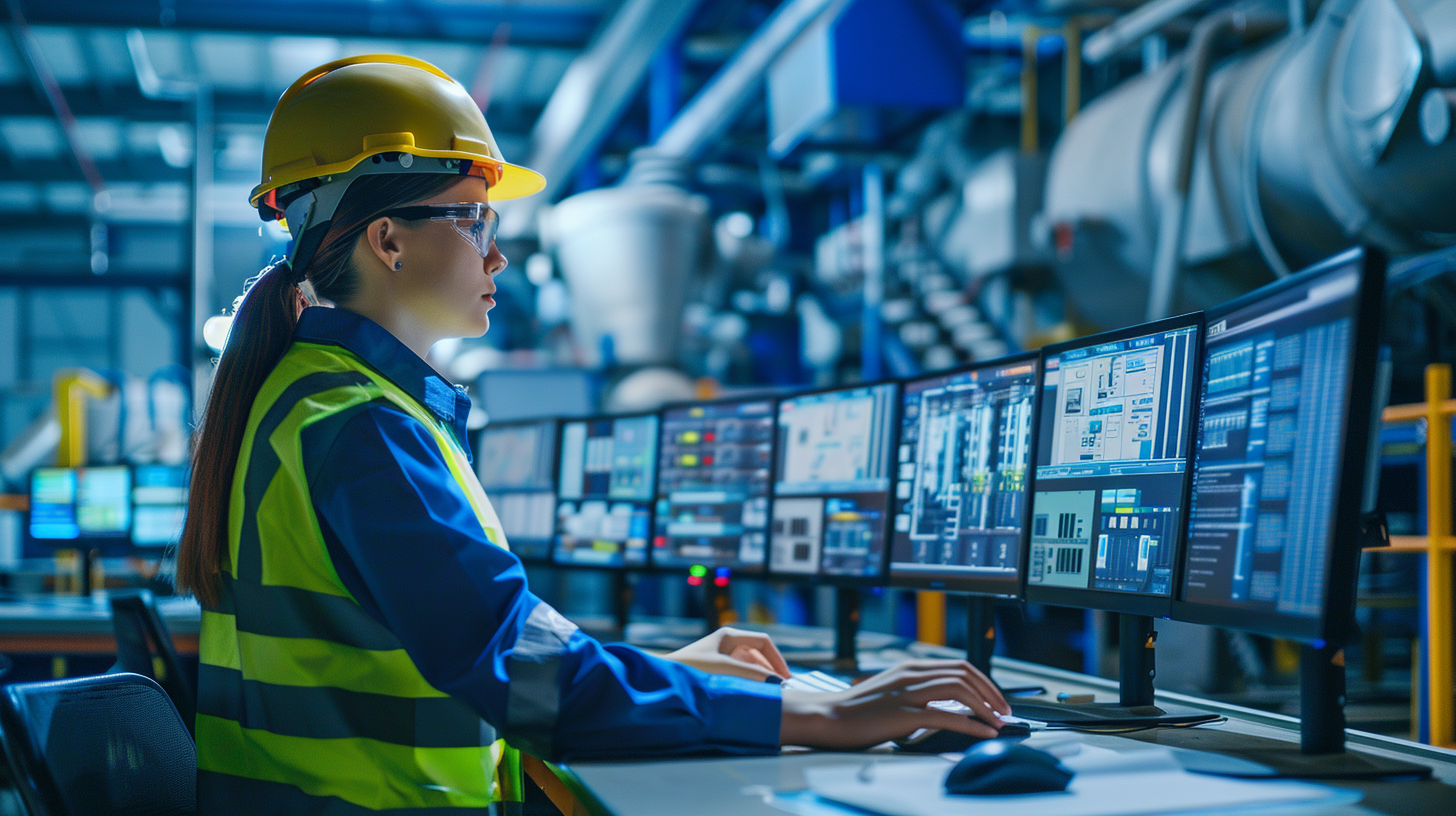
(981, 642)
(622, 598)
(1321, 753)
(716, 600)
(1135, 707)
(846, 628)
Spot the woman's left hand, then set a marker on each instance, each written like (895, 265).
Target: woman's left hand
(735, 652)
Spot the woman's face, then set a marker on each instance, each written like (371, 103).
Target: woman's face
(443, 282)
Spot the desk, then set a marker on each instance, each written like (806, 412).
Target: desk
(62, 625)
(740, 787)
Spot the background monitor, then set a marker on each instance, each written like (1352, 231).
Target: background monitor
(103, 501)
(832, 482)
(604, 501)
(714, 478)
(516, 464)
(159, 499)
(1274, 516)
(53, 504)
(960, 496)
(1112, 460)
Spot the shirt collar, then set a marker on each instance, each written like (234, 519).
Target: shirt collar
(384, 353)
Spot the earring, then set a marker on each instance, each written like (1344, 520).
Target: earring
(398, 265)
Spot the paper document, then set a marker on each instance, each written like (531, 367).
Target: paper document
(1108, 783)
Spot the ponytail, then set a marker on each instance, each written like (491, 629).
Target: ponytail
(262, 331)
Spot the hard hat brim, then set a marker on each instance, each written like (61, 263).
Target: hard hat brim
(515, 181)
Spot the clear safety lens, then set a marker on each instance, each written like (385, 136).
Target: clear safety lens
(479, 232)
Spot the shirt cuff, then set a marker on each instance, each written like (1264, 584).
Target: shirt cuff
(746, 713)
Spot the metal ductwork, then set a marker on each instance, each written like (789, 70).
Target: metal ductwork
(1302, 146)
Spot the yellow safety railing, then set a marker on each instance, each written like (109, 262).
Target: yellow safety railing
(1438, 545)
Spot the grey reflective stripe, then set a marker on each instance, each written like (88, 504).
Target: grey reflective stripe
(220, 794)
(324, 712)
(280, 611)
(263, 460)
(534, 701)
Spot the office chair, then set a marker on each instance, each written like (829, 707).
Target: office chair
(140, 633)
(108, 745)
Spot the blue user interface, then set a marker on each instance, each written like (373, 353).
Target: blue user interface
(713, 485)
(515, 463)
(1268, 461)
(831, 494)
(960, 496)
(604, 508)
(159, 498)
(1111, 463)
(71, 503)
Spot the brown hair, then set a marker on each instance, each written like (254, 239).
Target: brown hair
(262, 330)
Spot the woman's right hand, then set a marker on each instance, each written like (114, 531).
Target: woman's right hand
(893, 704)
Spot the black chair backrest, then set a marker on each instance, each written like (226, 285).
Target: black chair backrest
(109, 745)
(141, 633)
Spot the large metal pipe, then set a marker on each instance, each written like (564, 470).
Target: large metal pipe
(1132, 28)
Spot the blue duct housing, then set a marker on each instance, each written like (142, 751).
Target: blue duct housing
(903, 54)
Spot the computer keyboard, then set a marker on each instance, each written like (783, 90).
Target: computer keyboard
(814, 681)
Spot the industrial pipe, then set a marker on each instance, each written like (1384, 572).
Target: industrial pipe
(1134, 27)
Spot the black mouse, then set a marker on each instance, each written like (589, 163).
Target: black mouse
(940, 741)
(999, 767)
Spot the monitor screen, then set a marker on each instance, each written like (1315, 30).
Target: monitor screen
(159, 496)
(53, 504)
(1111, 478)
(713, 480)
(832, 482)
(516, 463)
(960, 496)
(1278, 455)
(604, 507)
(103, 501)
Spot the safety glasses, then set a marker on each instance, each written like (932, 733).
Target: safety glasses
(476, 222)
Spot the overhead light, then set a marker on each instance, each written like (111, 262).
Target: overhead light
(215, 332)
(175, 146)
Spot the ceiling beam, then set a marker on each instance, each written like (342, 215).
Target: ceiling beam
(567, 23)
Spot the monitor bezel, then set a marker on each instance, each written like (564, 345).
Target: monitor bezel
(772, 397)
(555, 477)
(651, 503)
(1336, 621)
(819, 576)
(1110, 600)
(967, 585)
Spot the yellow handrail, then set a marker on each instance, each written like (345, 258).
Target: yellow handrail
(1438, 557)
(72, 387)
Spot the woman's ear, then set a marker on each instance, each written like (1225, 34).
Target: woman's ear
(383, 235)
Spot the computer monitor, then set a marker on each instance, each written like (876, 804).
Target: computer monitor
(53, 504)
(714, 477)
(1279, 468)
(516, 464)
(604, 498)
(80, 503)
(159, 499)
(1112, 464)
(831, 491)
(960, 496)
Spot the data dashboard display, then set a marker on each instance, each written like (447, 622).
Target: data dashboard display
(1111, 461)
(515, 463)
(159, 499)
(960, 495)
(604, 507)
(53, 504)
(832, 482)
(1266, 477)
(713, 485)
(80, 502)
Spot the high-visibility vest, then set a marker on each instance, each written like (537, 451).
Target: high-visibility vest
(305, 699)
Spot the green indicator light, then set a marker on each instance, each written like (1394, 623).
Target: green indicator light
(697, 570)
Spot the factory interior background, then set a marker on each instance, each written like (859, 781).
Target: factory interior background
(743, 197)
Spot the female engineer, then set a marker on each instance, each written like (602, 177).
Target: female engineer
(368, 641)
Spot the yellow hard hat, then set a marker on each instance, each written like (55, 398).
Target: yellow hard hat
(388, 108)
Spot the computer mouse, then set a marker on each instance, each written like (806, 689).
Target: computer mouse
(940, 741)
(999, 767)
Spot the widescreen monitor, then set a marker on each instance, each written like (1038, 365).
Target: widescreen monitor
(714, 478)
(606, 488)
(159, 499)
(1112, 460)
(516, 465)
(1278, 477)
(831, 491)
(960, 496)
(70, 503)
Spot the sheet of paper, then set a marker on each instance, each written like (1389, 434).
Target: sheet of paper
(1108, 783)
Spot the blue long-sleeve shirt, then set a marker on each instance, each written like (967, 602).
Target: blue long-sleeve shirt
(408, 547)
